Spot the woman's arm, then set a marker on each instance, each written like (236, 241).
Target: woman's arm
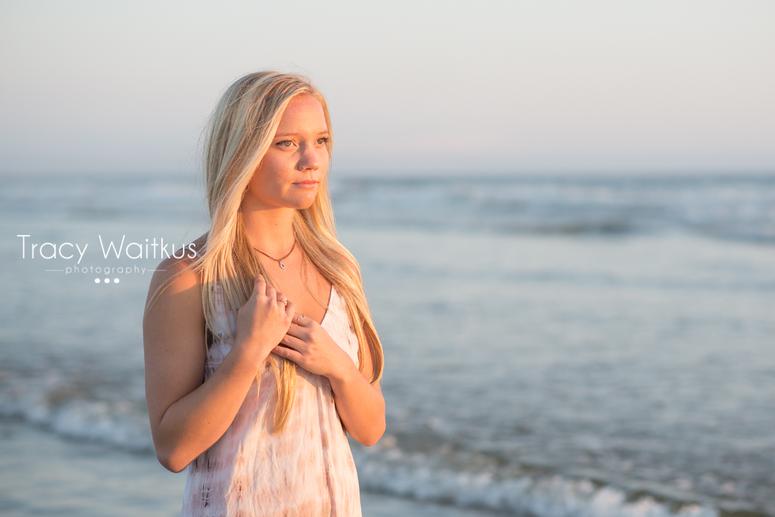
(359, 403)
(186, 415)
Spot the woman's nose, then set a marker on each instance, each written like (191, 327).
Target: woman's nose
(310, 158)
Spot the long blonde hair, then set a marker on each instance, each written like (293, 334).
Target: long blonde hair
(239, 132)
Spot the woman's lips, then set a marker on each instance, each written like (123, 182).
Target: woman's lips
(306, 184)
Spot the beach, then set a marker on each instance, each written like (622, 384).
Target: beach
(554, 346)
(49, 475)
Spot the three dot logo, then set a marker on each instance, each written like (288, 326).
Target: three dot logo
(106, 280)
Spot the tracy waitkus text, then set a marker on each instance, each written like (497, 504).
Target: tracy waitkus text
(150, 248)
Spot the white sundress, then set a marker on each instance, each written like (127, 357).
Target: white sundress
(306, 470)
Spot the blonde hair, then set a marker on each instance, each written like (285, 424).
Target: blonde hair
(239, 132)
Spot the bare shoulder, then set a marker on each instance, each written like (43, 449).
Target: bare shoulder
(176, 273)
(175, 291)
(174, 317)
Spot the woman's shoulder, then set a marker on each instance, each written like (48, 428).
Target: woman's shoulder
(177, 272)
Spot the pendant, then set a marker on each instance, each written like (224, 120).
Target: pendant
(282, 265)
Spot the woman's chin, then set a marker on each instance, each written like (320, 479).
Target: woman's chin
(303, 202)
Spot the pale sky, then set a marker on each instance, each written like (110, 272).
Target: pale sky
(506, 86)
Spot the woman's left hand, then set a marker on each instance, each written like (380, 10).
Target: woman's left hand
(310, 346)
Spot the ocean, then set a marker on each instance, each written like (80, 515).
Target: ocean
(555, 345)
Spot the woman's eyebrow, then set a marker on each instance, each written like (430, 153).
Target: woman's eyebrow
(294, 134)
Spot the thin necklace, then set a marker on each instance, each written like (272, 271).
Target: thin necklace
(280, 260)
(282, 266)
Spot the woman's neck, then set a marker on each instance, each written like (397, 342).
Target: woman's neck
(270, 230)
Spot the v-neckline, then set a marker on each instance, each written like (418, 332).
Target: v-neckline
(328, 306)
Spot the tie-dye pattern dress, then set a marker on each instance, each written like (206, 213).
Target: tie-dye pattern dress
(306, 470)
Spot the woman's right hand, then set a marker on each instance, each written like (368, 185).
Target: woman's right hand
(263, 320)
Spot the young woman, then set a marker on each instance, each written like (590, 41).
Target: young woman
(260, 350)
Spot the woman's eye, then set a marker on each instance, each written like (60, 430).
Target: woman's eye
(288, 143)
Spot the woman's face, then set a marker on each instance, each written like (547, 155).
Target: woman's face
(297, 153)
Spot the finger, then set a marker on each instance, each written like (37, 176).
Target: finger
(290, 309)
(288, 353)
(259, 286)
(298, 331)
(282, 301)
(294, 342)
(302, 320)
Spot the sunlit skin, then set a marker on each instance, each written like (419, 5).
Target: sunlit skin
(298, 152)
